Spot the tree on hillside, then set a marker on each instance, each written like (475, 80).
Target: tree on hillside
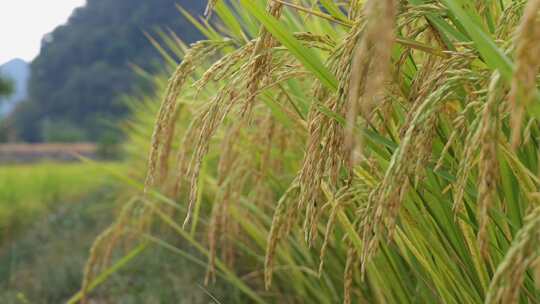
(6, 87)
(85, 65)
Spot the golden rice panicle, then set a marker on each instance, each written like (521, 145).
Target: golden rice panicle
(165, 120)
(93, 260)
(413, 152)
(466, 164)
(324, 148)
(527, 66)
(231, 178)
(379, 38)
(311, 40)
(277, 231)
(335, 208)
(101, 249)
(312, 167)
(467, 126)
(459, 128)
(222, 68)
(119, 228)
(320, 161)
(536, 266)
(213, 231)
(355, 9)
(167, 107)
(260, 59)
(348, 276)
(334, 203)
(417, 127)
(185, 149)
(506, 283)
(368, 230)
(222, 226)
(210, 8)
(509, 19)
(212, 118)
(488, 164)
(163, 161)
(372, 57)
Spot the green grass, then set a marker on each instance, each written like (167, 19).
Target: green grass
(43, 262)
(49, 214)
(30, 191)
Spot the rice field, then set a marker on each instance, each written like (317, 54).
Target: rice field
(29, 192)
(49, 214)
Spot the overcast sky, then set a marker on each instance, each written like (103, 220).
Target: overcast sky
(24, 22)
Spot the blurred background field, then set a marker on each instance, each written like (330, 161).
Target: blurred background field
(49, 214)
(29, 192)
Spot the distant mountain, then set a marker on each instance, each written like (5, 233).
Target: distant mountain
(18, 71)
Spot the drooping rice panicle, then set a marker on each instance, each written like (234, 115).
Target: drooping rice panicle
(488, 163)
(527, 67)
(505, 285)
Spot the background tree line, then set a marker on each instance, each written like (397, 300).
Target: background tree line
(86, 65)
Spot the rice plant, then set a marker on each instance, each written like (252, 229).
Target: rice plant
(348, 151)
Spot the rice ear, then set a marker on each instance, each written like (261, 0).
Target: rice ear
(536, 266)
(327, 235)
(488, 164)
(164, 126)
(210, 8)
(348, 276)
(260, 59)
(277, 232)
(508, 278)
(102, 247)
(372, 57)
(527, 67)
